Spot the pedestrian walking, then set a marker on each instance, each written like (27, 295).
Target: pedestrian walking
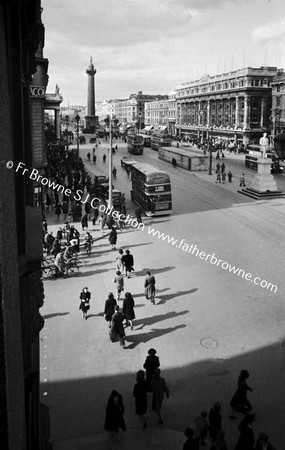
(218, 167)
(128, 262)
(48, 202)
(84, 222)
(230, 176)
(119, 280)
(158, 389)
(94, 159)
(138, 214)
(149, 285)
(215, 420)
(117, 331)
(140, 394)
(224, 177)
(128, 309)
(246, 437)
(151, 363)
(263, 443)
(114, 421)
(85, 296)
(95, 215)
(220, 443)
(114, 171)
(119, 261)
(102, 221)
(93, 151)
(113, 238)
(58, 210)
(242, 180)
(201, 427)
(218, 180)
(109, 309)
(192, 442)
(223, 167)
(87, 208)
(239, 402)
(88, 243)
(104, 158)
(218, 155)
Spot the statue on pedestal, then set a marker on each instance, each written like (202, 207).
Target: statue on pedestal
(264, 143)
(57, 89)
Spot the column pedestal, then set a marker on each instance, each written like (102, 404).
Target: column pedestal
(264, 181)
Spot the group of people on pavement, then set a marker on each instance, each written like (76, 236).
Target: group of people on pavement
(210, 424)
(221, 173)
(148, 392)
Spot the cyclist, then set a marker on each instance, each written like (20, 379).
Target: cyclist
(59, 263)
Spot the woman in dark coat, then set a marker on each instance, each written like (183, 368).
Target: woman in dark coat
(239, 402)
(128, 261)
(115, 414)
(109, 310)
(84, 222)
(215, 420)
(140, 394)
(246, 438)
(128, 309)
(158, 388)
(151, 363)
(85, 302)
(113, 238)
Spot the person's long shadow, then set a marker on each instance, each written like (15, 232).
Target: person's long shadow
(154, 271)
(101, 314)
(138, 245)
(103, 263)
(91, 272)
(159, 318)
(164, 298)
(157, 290)
(50, 316)
(137, 339)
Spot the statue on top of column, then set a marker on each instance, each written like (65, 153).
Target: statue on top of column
(57, 89)
(264, 144)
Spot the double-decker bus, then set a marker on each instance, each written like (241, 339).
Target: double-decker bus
(135, 144)
(253, 153)
(151, 189)
(146, 140)
(160, 140)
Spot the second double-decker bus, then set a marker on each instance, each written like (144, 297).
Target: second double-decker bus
(146, 140)
(160, 140)
(151, 189)
(253, 153)
(135, 144)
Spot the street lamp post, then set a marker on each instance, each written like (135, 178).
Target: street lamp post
(210, 149)
(110, 201)
(77, 118)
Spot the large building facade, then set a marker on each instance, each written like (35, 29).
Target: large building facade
(278, 103)
(234, 105)
(21, 288)
(132, 110)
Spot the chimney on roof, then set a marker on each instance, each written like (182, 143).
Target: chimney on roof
(139, 92)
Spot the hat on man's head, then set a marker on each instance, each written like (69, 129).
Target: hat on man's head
(152, 351)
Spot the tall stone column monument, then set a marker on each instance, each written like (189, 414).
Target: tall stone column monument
(90, 118)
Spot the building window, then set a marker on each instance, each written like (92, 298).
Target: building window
(256, 82)
(278, 102)
(278, 88)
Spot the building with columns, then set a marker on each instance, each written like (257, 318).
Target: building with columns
(234, 105)
(278, 103)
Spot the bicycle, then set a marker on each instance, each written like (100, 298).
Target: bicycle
(51, 272)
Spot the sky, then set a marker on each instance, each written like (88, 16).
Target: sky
(154, 45)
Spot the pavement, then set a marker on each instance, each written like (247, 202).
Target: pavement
(206, 326)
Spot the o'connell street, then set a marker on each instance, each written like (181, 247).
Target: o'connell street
(142, 205)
